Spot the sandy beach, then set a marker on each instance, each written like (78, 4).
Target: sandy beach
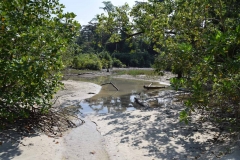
(134, 135)
(83, 142)
(158, 134)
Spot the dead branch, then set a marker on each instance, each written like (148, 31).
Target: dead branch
(111, 84)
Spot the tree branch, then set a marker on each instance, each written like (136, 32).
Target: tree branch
(128, 36)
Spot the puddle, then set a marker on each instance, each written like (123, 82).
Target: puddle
(109, 100)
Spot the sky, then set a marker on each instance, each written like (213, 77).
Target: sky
(87, 9)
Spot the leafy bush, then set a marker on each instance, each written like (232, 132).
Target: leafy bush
(117, 63)
(135, 72)
(206, 56)
(32, 42)
(87, 61)
(68, 56)
(106, 59)
(136, 59)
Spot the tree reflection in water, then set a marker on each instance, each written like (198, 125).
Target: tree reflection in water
(109, 100)
(109, 104)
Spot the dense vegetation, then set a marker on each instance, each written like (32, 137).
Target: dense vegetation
(34, 36)
(136, 72)
(94, 39)
(197, 39)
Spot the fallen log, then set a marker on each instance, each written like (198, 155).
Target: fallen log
(111, 84)
(153, 87)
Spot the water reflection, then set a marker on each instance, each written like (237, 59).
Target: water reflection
(109, 100)
(109, 104)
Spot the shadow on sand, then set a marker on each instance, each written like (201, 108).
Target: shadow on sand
(10, 142)
(159, 134)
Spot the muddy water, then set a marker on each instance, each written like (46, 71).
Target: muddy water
(110, 100)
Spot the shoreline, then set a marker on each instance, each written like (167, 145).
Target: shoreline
(39, 146)
(140, 134)
(162, 81)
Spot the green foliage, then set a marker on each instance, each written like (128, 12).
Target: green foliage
(87, 61)
(33, 37)
(184, 117)
(68, 56)
(205, 48)
(136, 59)
(198, 40)
(109, 24)
(177, 83)
(106, 59)
(115, 33)
(117, 63)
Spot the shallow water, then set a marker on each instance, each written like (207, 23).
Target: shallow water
(109, 100)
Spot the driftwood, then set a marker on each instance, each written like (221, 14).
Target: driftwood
(150, 86)
(111, 84)
(153, 87)
(140, 103)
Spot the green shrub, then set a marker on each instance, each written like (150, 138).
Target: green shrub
(87, 61)
(106, 59)
(33, 40)
(135, 72)
(136, 59)
(117, 63)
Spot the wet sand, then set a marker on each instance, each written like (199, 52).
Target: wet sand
(133, 135)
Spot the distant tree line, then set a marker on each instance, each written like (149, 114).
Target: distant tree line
(122, 50)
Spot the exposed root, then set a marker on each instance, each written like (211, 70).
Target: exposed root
(53, 123)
